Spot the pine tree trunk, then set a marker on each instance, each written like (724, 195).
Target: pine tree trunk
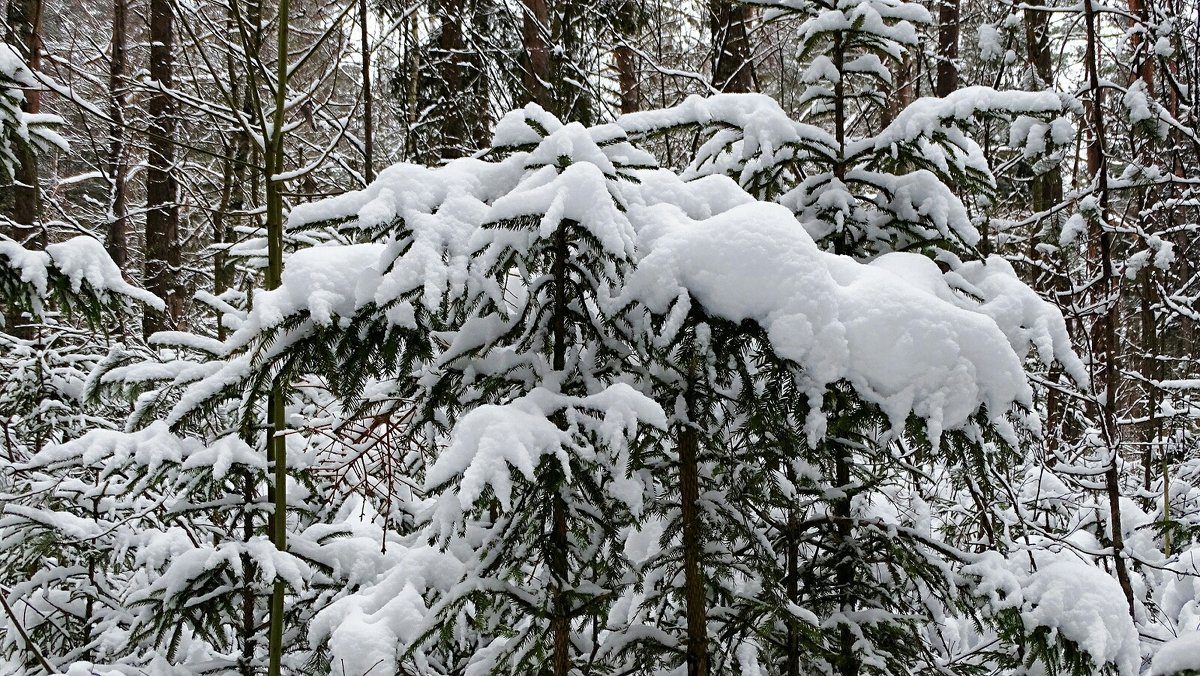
(729, 26)
(24, 20)
(693, 548)
(23, 204)
(536, 74)
(368, 102)
(276, 446)
(162, 211)
(792, 579)
(947, 66)
(451, 47)
(559, 541)
(117, 239)
(1046, 193)
(1106, 338)
(844, 570)
(413, 54)
(627, 78)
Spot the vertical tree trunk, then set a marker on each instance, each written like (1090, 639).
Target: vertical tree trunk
(368, 103)
(451, 47)
(1106, 337)
(627, 79)
(276, 446)
(24, 19)
(1143, 56)
(24, 203)
(413, 52)
(947, 66)
(729, 26)
(536, 74)
(1046, 192)
(693, 545)
(792, 585)
(162, 210)
(844, 570)
(559, 541)
(117, 239)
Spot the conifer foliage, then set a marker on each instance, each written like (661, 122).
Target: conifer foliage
(618, 372)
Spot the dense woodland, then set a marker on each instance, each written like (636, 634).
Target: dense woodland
(622, 337)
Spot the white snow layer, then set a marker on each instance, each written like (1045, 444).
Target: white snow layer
(898, 333)
(1086, 606)
(903, 334)
(1177, 655)
(80, 259)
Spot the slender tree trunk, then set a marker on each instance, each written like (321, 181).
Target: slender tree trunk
(844, 570)
(1046, 193)
(368, 103)
(1143, 62)
(729, 26)
(693, 546)
(947, 65)
(536, 76)
(24, 19)
(117, 240)
(162, 210)
(792, 576)
(23, 204)
(559, 542)
(451, 46)
(1106, 338)
(627, 79)
(276, 446)
(414, 79)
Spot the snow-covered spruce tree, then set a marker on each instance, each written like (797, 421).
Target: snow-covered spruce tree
(863, 195)
(55, 555)
(816, 330)
(73, 295)
(539, 357)
(864, 182)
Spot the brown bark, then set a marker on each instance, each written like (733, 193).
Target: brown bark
(162, 209)
(844, 571)
(451, 46)
(117, 239)
(693, 546)
(24, 19)
(627, 79)
(1143, 65)
(1037, 39)
(947, 66)
(1046, 192)
(729, 25)
(792, 578)
(368, 103)
(23, 203)
(536, 74)
(1105, 338)
(560, 625)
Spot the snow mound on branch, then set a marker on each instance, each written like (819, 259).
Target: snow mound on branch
(326, 281)
(1074, 599)
(365, 630)
(1180, 595)
(84, 259)
(490, 439)
(1084, 605)
(896, 337)
(760, 134)
(80, 260)
(1177, 655)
